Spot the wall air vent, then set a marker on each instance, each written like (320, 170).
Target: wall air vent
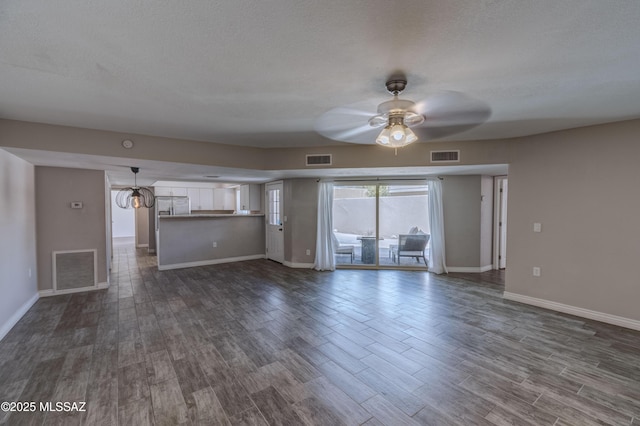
(74, 269)
(318, 160)
(445, 156)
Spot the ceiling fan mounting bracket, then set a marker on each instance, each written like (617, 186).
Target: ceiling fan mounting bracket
(396, 86)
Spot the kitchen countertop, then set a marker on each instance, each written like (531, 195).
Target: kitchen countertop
(200, 216)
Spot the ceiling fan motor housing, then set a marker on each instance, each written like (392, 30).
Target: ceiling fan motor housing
(395, 109)
(396, 86)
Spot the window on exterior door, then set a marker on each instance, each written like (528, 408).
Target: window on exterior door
(275, 216)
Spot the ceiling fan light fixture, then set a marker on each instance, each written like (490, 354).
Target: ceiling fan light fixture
(396, 134)
(396, 115)
(384, 138)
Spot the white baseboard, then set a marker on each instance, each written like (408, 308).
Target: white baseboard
(209, 262)
(470, 269)
(13, 320)
(298, 265)
(52, 292)
(574, 310)
(142, 245)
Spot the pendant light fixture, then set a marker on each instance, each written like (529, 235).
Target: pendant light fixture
(135, 196)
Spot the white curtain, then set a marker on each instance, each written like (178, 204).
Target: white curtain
(325, 260)
(437, 261)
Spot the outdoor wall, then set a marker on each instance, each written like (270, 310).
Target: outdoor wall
(583, 186)
(18, 266)
(60, 227)
(397, 215)
(301, 209)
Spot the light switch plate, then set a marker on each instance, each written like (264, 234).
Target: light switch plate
(537, 227)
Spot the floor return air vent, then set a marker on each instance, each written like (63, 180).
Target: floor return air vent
(74, 269)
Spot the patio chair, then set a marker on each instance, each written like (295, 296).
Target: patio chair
(410, 245)
(345, 249)
(412, 230)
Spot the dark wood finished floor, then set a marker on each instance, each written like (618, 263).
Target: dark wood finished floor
(256, 343)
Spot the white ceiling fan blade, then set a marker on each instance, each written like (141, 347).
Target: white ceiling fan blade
(349, 123)
(450, 106)
(447, 113)
(361, 134)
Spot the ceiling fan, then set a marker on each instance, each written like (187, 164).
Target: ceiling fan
(398, 122)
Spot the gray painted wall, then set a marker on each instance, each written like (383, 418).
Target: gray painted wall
(59, 226)
(301, 209)
(486, 221)
(461, 205)
(583, 186)
(18, 238)
(142, 227)
(185, 240)
(468, 220)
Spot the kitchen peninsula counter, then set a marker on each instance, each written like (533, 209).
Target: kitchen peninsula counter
(201, 215)
(209, 238)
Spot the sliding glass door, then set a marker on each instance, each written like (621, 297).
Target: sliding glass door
(381, 224)
(403, 225)
(355, 224)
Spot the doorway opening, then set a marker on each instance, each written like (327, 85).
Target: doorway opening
(123, 223)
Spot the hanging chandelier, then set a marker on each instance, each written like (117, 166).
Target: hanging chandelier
(135, 196)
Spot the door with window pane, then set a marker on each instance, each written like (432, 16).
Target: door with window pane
(274, 225)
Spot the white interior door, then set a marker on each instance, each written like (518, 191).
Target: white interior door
(275, 225)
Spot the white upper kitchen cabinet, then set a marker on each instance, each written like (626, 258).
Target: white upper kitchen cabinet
(250, 197)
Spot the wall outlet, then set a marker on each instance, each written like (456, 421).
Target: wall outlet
(215, 244)
(536, 271)
(308, 252)
(29, 272)
(537, 227)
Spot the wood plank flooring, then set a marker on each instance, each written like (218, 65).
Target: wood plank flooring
(256, 343)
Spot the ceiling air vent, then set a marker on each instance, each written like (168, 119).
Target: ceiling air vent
(319, 160)
(445, 156)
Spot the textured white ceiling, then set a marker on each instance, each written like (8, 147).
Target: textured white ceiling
(261, 73)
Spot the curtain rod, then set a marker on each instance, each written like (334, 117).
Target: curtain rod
(379, 179)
